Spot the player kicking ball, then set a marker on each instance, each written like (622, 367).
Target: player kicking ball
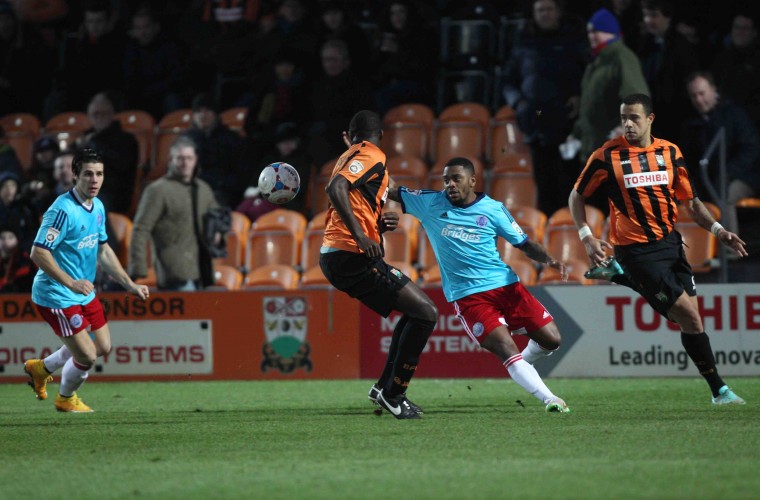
(70, 244)
(462, 226)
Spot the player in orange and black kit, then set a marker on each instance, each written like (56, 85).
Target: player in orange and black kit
(643, 177)
(352, 260)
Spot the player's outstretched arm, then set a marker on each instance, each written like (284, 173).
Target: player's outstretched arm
(539, 254)
(111, 265)
(595, 248)
(393, 193)
(45, 261)
(702, 216)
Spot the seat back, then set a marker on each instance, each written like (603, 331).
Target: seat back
(454, 139)
(141, 125)
(21, 130)
(234, 118)
(227, 277)
(411, 113)
(531, 220)
(594, 217)
(699, 246)
(407, 171)
(168, 129)
(272, 277)
(575, 270)
(122, 229)
(271, 247)
(562, 243)
(526, 270)
(514, 189)
(67, 127)
(409, 139)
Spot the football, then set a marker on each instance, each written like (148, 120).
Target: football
(279, 183)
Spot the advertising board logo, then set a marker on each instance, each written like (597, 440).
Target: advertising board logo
(285, 324)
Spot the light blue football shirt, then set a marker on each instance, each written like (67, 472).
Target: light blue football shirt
(464, 240)
(71, 231)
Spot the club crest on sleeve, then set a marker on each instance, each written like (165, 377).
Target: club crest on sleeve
(51, 235)
(517, 227)
(355, 167)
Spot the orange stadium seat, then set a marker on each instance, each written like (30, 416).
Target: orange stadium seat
(271, 247)
(401, 244)
(526, 270)
(407, 171)
(312, 241)
(575, 270)
(513, 162)
(514, 189)
(408, 139)
(21, 130)
(699, 245)
(594, 217)
(509, 253)
(531, 220)
(67, 127)
(272, 277)
(461, 131)
(506, 137)
(227, 277)
(282, 218)
(562, 243)
(411, 113)
(140, 124)
(122, 229)
(234, 118)
(314, 278)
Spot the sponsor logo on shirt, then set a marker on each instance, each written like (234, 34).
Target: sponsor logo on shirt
(460, 233)
(643, 179)
(89, 241)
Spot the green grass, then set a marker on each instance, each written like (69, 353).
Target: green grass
(641, 438)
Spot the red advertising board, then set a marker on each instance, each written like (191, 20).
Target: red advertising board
(450, 352)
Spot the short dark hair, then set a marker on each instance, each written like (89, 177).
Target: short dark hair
(365, 124)
(463, 162)
(666, 7)
(83, 156)
(700, 74)
(642, 99)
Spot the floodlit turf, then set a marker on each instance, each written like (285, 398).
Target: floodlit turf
(624, 439)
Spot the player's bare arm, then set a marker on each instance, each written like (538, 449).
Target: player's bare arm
(595, 248)
(111, 265)
(45, 261)
(337, 191)
(538, 253)
(393, 190)
(702, 216)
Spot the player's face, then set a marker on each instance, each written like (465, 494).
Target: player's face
(636, 124)
(90, 180)
(459, 185)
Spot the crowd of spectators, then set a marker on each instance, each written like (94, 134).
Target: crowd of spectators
(303, 68)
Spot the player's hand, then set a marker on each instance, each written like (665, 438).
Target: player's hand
(84, 287)
(141, 291)
(596, 250)
(732, 241)
(389, 221)
(559, 266)
(371, 248)
(346, 139)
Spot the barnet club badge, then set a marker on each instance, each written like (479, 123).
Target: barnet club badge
(285, 323)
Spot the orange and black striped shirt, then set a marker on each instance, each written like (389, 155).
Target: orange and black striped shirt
(363, 165)
(642, 185)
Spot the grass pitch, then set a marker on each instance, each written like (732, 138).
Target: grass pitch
(641, 438)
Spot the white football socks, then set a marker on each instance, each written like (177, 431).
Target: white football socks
(533, 352)
(57, 359)
(524, 374)
(72, 377)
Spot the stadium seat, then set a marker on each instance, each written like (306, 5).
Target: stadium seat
(594, 217)
(122, 230)
(168, 129)
(67, 127)
(562, 243)
(531, 220)
(407, 171)
(506, 137)
(514, 189)
(513, 162)
(271, 247)
(401, 244)
(314, 278)
(235, 251)
(234, 118)
(408, 139)
(431, 277)
(227, 277)
(466, 112)
(526, 270)
(319, 198)
(454, 139)
(575, 270)
(272, 277)
(21, 130)
(282, 218)
(312, 241)
(435, 177)
(747, 203)
(410, 113)
(149, 280)
(509, 253)
(699, 245)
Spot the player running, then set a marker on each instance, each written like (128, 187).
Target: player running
(462, 226)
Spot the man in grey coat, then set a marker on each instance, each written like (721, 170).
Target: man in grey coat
(173, 223)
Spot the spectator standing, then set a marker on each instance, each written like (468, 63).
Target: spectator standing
(666, 59)
(613, 73)
(737, 68)
(219, 151)
(170, 217)
(335, 24)
(40, 176)
(119, 151)
(742, 143)
(154, 66)
(543, 84)
(16, 212)
(334, 100)
(8, 159)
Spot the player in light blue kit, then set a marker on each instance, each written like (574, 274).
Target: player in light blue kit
(68, 248)
(489, 299)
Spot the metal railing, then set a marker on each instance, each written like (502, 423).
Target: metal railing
(719, 195)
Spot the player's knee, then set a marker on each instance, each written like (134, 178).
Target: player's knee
(104, 348)
(427, 311)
